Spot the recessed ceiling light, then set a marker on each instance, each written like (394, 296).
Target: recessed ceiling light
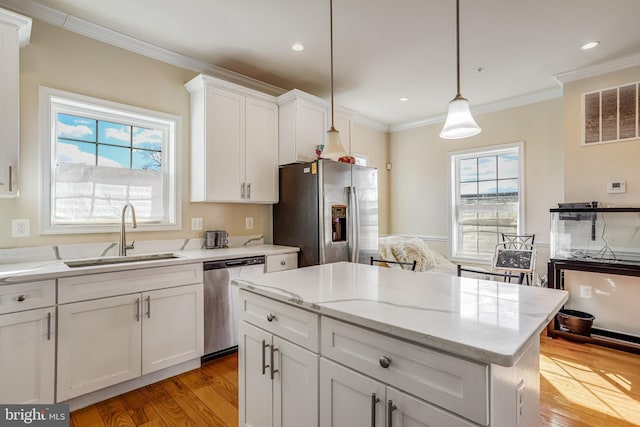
(590, 45)
(297, 47)
(404, 99)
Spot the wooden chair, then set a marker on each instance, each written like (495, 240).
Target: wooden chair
(402, 264)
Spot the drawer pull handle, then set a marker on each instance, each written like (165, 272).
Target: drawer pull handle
(273, 371)
(264, 367)
(374, 401)
(271, 317)
(21, 298)
(49, 326)
(283, 262)
(390, 408)
(385, 362)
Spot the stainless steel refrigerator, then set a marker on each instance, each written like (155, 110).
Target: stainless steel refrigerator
(329, 210)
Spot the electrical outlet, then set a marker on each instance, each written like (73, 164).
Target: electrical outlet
(196, 224)
(585, 291)
(248, 223)
(20, 228)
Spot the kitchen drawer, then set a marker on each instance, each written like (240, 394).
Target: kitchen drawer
(291, 323)
(458, 385)
(25, 296)
(282, 262)
(101, 285)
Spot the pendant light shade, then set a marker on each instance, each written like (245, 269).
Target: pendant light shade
(460, 123)
(333, 148)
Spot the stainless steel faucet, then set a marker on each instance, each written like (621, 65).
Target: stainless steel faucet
(122, 250)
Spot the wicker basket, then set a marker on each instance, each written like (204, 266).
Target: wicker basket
(574, 321)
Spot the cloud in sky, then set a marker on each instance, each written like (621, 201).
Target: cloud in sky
(119, 134)
(73, 131)
(69, 153)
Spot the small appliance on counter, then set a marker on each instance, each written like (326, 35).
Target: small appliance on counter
(216, 239)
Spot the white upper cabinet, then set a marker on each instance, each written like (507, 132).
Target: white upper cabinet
(303, 123)
(234, 143)
(304, 120)
(15, 31)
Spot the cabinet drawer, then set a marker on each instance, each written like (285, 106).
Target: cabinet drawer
(291, 323)
(92, 286)
(25, 296)
(282, 262)
(458, 385)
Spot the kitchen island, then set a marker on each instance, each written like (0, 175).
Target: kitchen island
(348, 344)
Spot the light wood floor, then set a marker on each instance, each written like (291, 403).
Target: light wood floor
(580, 385)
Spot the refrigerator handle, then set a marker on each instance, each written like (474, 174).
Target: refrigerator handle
(355, 225)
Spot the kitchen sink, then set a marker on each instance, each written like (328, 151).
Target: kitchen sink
(92, 262)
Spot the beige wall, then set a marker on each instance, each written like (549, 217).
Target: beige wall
(589, 168)
(375, 145)
(419, 178)
(64, 60)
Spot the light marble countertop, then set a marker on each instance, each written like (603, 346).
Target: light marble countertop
(50, 269)
(486, 321)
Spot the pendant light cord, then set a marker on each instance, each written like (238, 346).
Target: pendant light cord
(457, 46)
(331, 49)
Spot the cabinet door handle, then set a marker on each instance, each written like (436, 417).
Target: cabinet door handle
(21, 298)
(149, 307)
(242, 190)
(384, 361)
(49, 326)
(273, 371)
(264, 367)
(137, 309)
(271, 317)
(249, 191)
(10, 178)
(374, 401)
(390, 408)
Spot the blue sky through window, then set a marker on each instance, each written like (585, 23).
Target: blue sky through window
(103, 143)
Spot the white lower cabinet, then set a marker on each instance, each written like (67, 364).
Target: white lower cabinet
(106, 341)
(349, 399)
(27, 356)
(278, 381)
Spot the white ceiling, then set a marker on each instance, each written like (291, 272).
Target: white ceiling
(383, 49)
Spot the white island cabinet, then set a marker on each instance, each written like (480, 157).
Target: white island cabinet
(390, 348)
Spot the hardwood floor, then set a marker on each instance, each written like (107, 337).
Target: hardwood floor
(580, 385)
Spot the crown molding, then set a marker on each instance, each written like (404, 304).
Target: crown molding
(598, 69)
(114, 38)
(504, 104)
(370, 123)
(22, 23)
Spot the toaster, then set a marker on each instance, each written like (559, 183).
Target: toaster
(216, 239)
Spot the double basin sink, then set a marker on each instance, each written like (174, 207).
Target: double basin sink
(94, 262)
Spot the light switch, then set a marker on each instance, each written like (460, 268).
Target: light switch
(196, 224)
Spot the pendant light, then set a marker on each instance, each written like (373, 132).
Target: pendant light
(460, 123)
(333, 148)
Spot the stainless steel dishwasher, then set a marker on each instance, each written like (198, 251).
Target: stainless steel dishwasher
(220, 298)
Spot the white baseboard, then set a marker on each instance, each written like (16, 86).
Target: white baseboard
(121, 388)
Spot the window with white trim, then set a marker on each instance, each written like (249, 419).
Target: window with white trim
(99, 155)
(487, 199)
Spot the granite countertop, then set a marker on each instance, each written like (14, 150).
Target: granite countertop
(51, 269)
(486, 321)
